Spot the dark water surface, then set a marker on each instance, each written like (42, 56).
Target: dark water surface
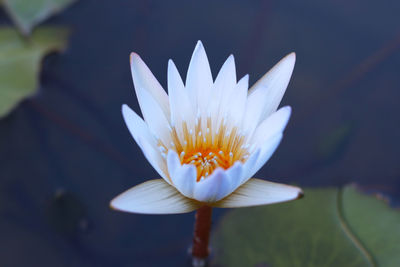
(66, 152)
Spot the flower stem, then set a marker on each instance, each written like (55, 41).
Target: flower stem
(201, 236)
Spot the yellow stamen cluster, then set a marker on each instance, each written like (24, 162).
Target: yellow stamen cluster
(207, 148)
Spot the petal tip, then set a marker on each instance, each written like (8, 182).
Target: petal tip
(199, 49)
(300, 194)
(171, 66)
(199, 44)
(133, 56)
(287, 109)
(125, 109)
(291, 57)
(114, 204)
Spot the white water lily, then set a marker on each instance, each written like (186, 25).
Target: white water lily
(206, 138)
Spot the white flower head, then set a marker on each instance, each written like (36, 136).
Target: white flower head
(206, 138)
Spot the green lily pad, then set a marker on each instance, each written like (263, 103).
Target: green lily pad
(20, 62)
(329, 227)
(28, 13)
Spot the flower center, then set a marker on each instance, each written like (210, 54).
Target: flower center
(207, 148)
(206, 160)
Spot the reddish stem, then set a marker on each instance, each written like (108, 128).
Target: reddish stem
(201, 236)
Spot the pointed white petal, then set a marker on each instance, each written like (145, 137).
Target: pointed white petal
(226, 78)
(259, 192)
(144, 79)
(271, 126)
(264, 97)
(235, 175)
(137, 127)
(221, 90)
(181, 109)
(153, 197)
(154, 117)
(156, 160)
(183, 176)
(249, 165)
(213, 188)
(237, 101)
(140, 132)
(199, 79)
(275, 83)
(266, 152)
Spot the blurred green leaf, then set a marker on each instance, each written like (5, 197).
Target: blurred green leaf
(28, 13)
(20, 60)
(329, 227)
(375, 223)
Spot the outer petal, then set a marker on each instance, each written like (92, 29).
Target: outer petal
(153, 197)
(271, 126)
(213, 188)
(183, 176)
(259, 192)
(249, 166)
(235, 176)
(266, 94)
(140, 132)
(237, 101)
(223, 86)
(199, 79)
(181, 110)
(154, 117)
(266, 152)
(145, 80)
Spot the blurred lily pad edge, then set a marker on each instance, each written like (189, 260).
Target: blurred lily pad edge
(21, 62)
(23, 49)
(27, 14)
(328, 227)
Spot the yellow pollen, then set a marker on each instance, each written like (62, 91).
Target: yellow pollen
(208, 149)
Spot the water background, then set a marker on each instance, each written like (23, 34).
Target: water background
(65, 153)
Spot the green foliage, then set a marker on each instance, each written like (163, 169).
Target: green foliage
(329, 227)
(375, 223)
(20, 62)
(28, 13)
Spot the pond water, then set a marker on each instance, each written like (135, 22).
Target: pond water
(65, 153)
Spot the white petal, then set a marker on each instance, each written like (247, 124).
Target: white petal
(271, 126)
(153, 197)
(266, 94)
(222, 88)
(226, 78)
(266, 152)
(183, 176)
(237, 101)
(248, 166)
(213, 188)
(136, 125)
(259, 192)
(140, 132)
(154, 117)
(156, 160)
(199, 78)
(235, 176)
(181, 109)
(144, 79)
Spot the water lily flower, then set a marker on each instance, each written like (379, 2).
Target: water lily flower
(206, 138)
